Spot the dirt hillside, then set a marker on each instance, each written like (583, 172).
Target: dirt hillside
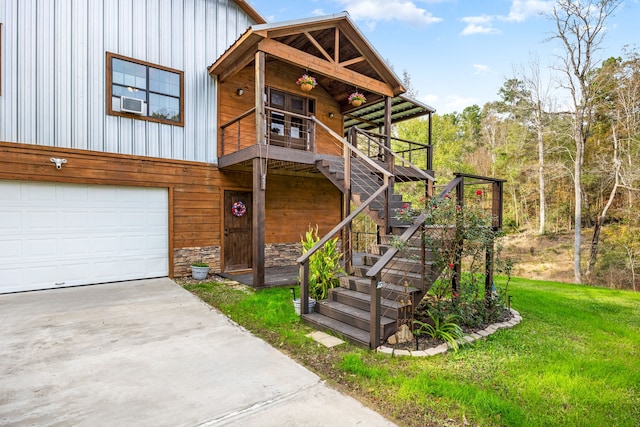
(548, 257)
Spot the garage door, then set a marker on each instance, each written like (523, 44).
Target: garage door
(55, 235)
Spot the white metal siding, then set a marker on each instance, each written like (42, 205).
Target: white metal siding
(53, 77)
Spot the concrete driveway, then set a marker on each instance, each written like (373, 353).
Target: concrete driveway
(148, 353)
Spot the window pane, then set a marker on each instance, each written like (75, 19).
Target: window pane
(277, 99)
(277, 123)
(129, 91)
(164, 107)
(164, 82)
(129, 74)
(297, 104)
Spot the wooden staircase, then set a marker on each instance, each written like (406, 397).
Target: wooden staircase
(346, 311)
(396, 276)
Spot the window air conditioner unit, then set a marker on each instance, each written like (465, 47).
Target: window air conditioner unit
(131, 105)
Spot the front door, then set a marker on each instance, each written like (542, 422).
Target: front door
(237, 230)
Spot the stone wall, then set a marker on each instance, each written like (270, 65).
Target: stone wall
(184, 257)
(282, 254)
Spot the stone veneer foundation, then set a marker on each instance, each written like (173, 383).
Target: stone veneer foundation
(276, 255)
(184, 257)
(281, 254)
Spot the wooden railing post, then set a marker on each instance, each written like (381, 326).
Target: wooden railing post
(459, 240)
(488, 277)
(304, 288)
(375, 293)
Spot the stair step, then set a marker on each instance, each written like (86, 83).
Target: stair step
(389, 308)
(390, 291)
(354, 316)
(322, 322)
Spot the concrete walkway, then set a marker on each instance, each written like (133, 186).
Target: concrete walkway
(148, 353)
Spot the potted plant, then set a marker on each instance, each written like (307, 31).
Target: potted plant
(357, 99)
(199, 270)
(306, 82)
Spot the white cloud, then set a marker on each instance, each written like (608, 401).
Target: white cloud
(430, 99)
(520, 11)
(389, 10)
(317, 12)
(523, 9)
(457, 103)
(482, 24)
(481, 69)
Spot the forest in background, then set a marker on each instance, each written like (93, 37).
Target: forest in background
(568, 144)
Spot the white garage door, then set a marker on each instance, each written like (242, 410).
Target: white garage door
(54, 235)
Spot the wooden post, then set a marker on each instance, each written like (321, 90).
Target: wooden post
(259, 97)
(304, 288)
(457, 273)
(488, 266)
(258, 224)
(347, 238)
(374, 313)
(259, 181)
(390, 163)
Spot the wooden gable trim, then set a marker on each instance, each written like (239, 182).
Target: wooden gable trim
(319, 65)
(253, 14)
(319, 47)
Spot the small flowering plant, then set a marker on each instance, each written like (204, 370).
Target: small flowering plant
(357, 96)
(407, 213)
(307, 79)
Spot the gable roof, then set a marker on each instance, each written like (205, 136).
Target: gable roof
(331, 47)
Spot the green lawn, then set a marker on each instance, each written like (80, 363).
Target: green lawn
(574, 360)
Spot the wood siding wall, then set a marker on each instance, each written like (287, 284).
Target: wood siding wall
(281, 76)
(196, 191)
(53, 73)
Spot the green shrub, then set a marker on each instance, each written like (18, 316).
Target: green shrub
(324, 264)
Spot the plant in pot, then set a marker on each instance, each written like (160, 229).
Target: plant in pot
(199, 270)
(306, 82)
(357, 99)
(324, 267)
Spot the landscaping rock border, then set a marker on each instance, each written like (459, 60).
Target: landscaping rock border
(467, 339)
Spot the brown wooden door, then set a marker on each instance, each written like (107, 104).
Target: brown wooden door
(237, 230)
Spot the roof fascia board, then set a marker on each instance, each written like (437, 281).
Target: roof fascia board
(318, 65)
(249, 10)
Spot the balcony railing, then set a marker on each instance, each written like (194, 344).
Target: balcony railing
(282, 128)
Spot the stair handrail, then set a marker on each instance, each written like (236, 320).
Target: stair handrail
(304, 259)
(376, 268)
(352, 148)
(392, 153)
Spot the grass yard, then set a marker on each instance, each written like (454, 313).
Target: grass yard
(573, 361)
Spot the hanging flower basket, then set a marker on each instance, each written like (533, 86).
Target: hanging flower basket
(357, 99)
(306, 82)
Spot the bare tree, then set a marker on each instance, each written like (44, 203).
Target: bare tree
(539, 99)
(580, 26)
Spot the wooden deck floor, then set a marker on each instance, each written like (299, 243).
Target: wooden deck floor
(273, 276)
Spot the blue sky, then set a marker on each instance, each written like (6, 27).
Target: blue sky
(458, 52)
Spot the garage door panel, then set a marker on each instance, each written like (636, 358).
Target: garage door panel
(54, 235)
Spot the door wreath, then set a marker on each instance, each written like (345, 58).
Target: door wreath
(238, 209)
